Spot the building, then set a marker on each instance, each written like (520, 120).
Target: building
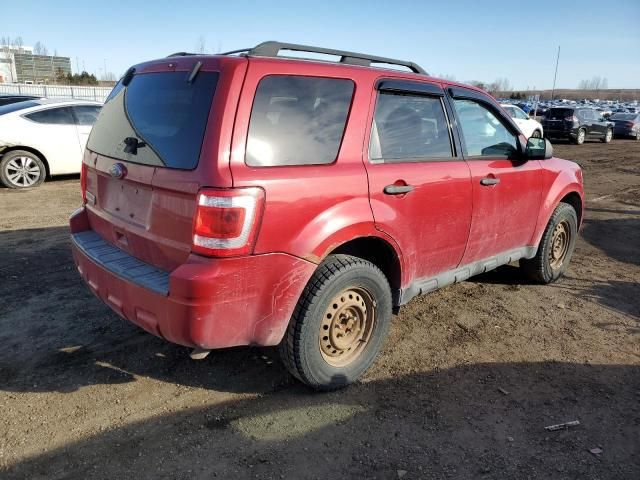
(20, 65)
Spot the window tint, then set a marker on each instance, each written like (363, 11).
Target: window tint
(55, 116)
(559, 113)
(519, 114)
(157, 119)
(297, 120)
(484, 134)
(14, 107)
(409, 126)
(86, 114)
(586, 114)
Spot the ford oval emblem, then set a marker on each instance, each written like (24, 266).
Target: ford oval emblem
(118, 170)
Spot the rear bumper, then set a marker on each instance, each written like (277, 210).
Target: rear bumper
(561, 134)
(208, 303)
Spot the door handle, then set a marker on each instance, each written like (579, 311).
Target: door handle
(397, 189)
(489, 181)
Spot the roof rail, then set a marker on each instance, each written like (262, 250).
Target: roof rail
(180, 54)
(272, 48)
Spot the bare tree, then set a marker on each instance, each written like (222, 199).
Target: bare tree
(596, 83)
(201, 44)
(40, 49)
(447, 76)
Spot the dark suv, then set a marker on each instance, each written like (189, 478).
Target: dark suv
(576, 124)
(251, 199)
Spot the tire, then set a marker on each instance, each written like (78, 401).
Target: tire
(536, 134)
(359, 294)
(21, 169)
(607, 136)
(638, 135)
(582, 135)
(554, 252)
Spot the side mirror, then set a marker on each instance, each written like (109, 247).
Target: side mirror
(538, 149)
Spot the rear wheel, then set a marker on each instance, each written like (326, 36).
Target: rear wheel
(638, 134)
(582, 134)
(555, 248)
(339, 324)
(21, 169)
(607, 136)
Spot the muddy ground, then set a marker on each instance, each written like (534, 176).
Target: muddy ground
(464, 388)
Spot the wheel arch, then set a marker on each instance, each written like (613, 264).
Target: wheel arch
(35, 151)
(381, 253)
(573, 198)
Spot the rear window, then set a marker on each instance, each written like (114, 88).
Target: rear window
(559, 113)
(624, 116)
(158, 119)
(14, 107)
(297, 120)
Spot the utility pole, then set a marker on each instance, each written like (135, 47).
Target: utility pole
(555, 75)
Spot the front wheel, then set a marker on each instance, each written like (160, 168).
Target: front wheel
(555, 248)
(21, 169)
(536, 134)
(607, 136)
(339, 324)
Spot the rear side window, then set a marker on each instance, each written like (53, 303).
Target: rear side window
(157, 119)
(409, 127)
(53, 116)
(297, 120)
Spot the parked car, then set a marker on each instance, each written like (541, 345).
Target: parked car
(576, 124)
(626, 125)
(41, 138)
(7, 99)
(258, 200)
(528, 126)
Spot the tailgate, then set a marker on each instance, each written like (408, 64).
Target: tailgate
(142, 165)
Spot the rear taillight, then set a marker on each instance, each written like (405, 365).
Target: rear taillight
(226, 221)
(629, 124)
(83, 182)
(571, 118)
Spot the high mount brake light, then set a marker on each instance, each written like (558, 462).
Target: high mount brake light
(226, 221)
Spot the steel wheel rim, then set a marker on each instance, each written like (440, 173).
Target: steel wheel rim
(560, 241)
(581, 136)
(347, 325)
(22, 171)
(536, 134)
(609, 135)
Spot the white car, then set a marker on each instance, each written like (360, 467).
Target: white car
(44, 137)
(528, 126)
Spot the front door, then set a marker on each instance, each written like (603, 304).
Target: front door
(419, 184)
(506, 189)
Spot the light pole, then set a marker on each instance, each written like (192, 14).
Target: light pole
(555, 75)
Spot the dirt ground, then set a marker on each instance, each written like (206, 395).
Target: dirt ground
(467, 382)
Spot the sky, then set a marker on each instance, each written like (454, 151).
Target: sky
(465, 40)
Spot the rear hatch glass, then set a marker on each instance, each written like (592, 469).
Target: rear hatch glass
(158, 119)
(559, 113)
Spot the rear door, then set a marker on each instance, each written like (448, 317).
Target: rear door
(419, 183)
(144, 161)
(506, 188)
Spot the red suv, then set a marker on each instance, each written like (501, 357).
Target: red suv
(253, 199)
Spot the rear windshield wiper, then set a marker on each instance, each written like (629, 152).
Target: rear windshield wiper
(132, 144)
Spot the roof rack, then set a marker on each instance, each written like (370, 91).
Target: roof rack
(271, 49)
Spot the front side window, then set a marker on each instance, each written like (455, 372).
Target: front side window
(484, 134)
(52, 116)
(408, 127)
(297, 120)
(86, 114)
